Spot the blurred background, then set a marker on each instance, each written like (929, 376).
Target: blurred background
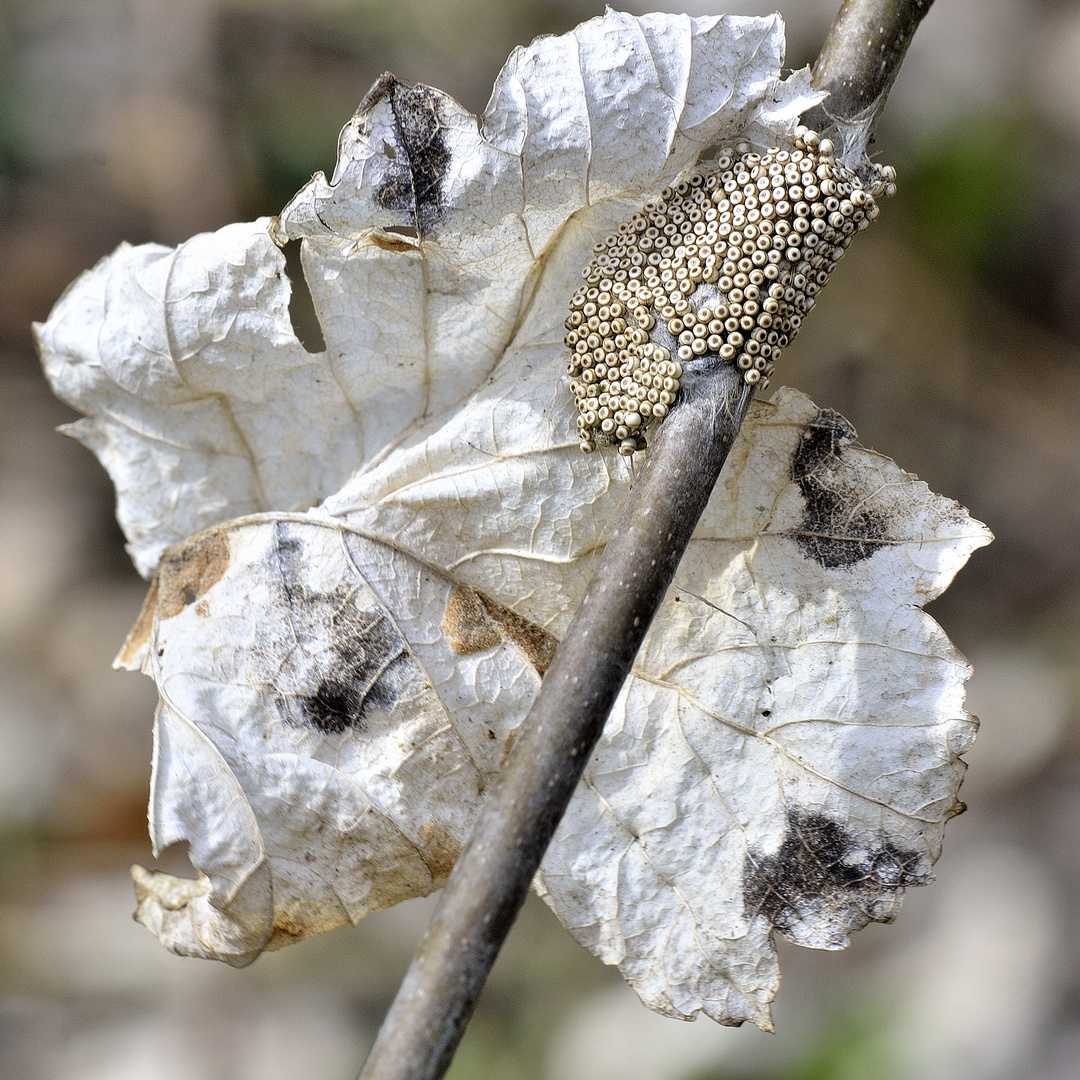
(950, 337)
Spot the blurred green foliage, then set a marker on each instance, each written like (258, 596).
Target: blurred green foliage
(853, 1046)
(973, 193)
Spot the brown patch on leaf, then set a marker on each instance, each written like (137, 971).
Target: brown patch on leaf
(467, 624)
(286, 931)
(391, 243)
(508, 745)
(438, 849)
(302, 918)
(474, 622)
(139, 635)
(187, 571)
(534, 641)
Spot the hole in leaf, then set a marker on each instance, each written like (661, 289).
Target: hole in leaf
(175, 860)
(404, 230)
(190, 594)
(305, 322)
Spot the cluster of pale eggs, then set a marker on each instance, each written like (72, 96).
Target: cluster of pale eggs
(725, 264)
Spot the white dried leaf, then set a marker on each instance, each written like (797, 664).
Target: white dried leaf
(784, 757)
(200, 400)
(338, 687)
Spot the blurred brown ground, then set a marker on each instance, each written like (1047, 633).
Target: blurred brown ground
(950, 337)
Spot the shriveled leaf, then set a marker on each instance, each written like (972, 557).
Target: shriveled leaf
(786, 754)
(339, 687)
(421, 256)
(784, 757)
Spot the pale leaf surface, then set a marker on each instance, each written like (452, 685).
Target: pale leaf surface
(784, 757)
(421, 255)
(339, 687)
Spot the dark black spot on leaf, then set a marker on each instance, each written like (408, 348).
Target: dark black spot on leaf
(824, 883)
(334, 661)
(839, 527)
(366, 650)
(418, 163)
(288, 550)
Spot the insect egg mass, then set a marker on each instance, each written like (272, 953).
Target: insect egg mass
(722, 267)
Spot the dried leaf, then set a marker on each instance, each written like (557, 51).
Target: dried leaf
(201, 401)
(784, 757)
(338, 687)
